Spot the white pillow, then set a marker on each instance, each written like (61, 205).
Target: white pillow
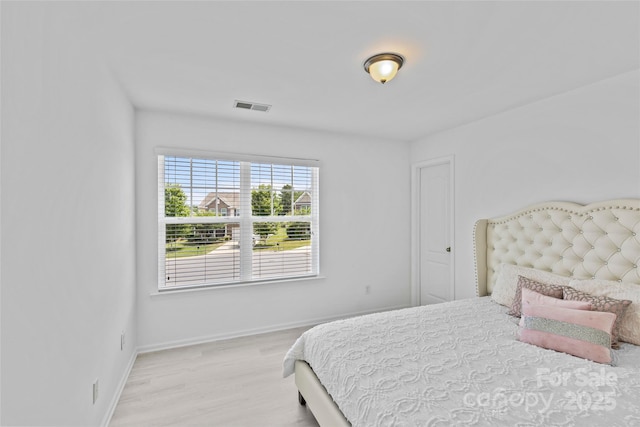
(504, 290)
(629, 328)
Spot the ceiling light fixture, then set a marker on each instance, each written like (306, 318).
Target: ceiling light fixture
(383, 66)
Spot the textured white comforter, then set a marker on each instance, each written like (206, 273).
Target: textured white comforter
(459, 363)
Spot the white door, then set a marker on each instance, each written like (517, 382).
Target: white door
(435, 235)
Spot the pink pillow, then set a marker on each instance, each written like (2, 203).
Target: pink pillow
(541, 288)
(582, 333)
(530, 297)
(534, 298)
(602, 303)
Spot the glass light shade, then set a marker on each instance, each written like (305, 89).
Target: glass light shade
(383, 67)
(383, 71)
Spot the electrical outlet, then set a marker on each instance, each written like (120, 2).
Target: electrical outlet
(122, 341)
(95, 391)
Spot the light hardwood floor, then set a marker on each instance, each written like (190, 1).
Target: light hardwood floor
(235, 382)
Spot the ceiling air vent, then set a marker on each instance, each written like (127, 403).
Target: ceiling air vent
(251, 106)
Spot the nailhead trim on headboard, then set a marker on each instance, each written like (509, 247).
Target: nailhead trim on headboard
(600, 241)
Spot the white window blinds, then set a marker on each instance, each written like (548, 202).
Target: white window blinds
(226, 221)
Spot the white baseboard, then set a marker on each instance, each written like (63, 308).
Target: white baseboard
(218, 337)
(256, 331)
(116, 397)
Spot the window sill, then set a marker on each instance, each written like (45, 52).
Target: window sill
(157, 292)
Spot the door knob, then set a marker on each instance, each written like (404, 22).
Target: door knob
(448, 249)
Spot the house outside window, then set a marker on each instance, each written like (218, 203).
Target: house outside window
(235, 220)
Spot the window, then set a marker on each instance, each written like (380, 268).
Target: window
(225, 221)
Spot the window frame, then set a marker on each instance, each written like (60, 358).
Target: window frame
(246, 222)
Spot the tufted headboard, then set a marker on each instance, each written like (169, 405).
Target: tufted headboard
(600, 240)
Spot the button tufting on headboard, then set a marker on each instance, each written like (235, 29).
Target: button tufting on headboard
(594, 241)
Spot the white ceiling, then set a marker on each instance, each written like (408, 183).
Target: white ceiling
(464, 60)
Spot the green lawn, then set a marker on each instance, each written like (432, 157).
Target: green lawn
(182, 248)
(280, 242)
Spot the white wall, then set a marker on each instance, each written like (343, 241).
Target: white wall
(68, 243)
(582, 146)
(364, 235)
(78, 214)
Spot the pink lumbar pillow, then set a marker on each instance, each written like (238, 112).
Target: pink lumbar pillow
(582, 333)
(530, 297)
(534, 298)
(600, 302)
(541, 288)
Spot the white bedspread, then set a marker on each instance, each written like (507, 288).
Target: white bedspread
(459, 363)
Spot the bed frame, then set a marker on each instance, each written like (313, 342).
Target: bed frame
(599, 241)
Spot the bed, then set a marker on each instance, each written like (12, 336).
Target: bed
(461, 362)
